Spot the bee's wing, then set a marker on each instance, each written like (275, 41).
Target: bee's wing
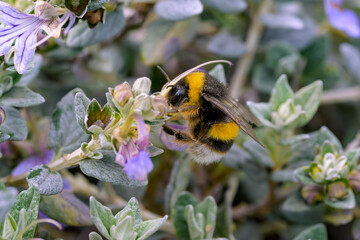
(238, 113)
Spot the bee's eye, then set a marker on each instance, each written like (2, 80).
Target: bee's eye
(176, 95)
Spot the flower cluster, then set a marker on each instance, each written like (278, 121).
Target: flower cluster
(331, 177)
(341, 18)
(286, 109)
(23, 29)
(121, 125)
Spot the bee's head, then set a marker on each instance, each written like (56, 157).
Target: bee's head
(174, 87)
(177, 94)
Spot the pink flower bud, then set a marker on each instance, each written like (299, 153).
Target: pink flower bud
(160, 105)
(122, 93)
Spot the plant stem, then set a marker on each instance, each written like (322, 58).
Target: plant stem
(252, 41)
(67, 160)
(344, 95)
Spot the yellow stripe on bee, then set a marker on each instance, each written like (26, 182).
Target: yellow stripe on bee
(224, 131)
(196, 82)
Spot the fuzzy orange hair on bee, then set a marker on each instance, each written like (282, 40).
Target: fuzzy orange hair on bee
(214, 118)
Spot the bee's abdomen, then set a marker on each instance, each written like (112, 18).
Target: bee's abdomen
(224, 131)
(218, 145)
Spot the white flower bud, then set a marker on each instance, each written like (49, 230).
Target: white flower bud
(142, 85)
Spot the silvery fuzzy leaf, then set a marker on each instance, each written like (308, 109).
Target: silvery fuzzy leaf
(282, 20)
(48, 182)
(145, 229)
(81, 35)
(176, 10)
(226, 45)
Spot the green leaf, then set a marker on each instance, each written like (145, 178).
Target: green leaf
(147, 228)
(327, 147)
(295, 209)
(65, 134)
(48, 182)
(134, 207)
(95, 236)
(208, 208)
(275, 51)
(81, 35)
(123, 229)
(282, 20)
(281, 92)
(164, 38)
(218, 72)
(258, 153)
(195, 224)
(227, 6)
(81, 105)
(262, 112)
(102, 217)
(262, 79)
(107, 170)
(178, 216)
(28, 200)
(179, 180)
(65, 207)
(20, 96)
(14, 128)
(347, 202)
(309, 98)
(316, 53)
(8, 228)
(352, 157)
(6, 83)
(317, 232)
(176, 10)
(7, 197)
(351, 59)
(96, 4)
(303, 176)
(227, 45)
(325, 134)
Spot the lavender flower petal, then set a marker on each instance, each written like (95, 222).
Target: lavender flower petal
(342, 19)
(170, 141)
(5, 46)
(139, 166)
(24, 50)
(143, 135)
(71, 21)
(10, 16)
(33, 161)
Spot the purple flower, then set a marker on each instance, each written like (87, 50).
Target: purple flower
(23, 28)
(33, 161)
(133, 154)
(139, 166)
(341, 18)
(169, 141)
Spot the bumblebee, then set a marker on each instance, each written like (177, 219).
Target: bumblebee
(214, 118)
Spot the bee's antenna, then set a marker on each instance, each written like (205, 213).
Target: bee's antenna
(163, 72)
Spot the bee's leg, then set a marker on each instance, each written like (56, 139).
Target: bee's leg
(187, 108)
(180, 135)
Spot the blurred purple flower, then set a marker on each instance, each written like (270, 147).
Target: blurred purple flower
(139, 166)
(33, 161)
(133, 155)
(24, 28)
(169, 141)
(343, 19)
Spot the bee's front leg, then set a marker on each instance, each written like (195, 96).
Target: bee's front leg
(180, 135)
